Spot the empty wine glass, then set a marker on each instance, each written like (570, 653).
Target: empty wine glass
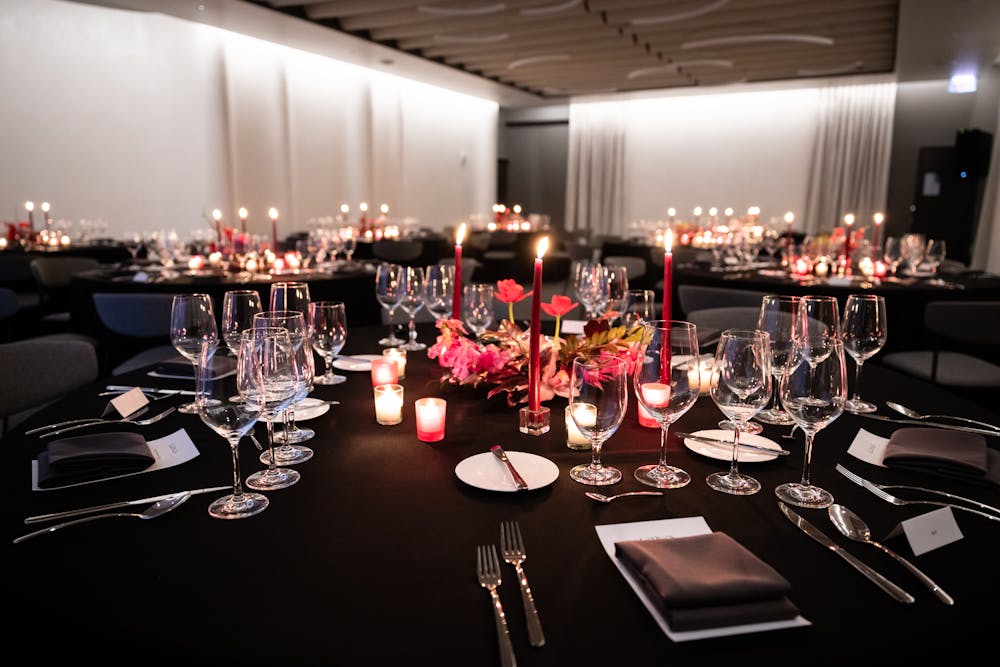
(328, 333)
(290, 296)
(778, 315)
(412, 302)
(230, 404)
(439, 289)
(598, 398)
(934, 255)
(478, 306)
(864, 331)
(617, 277)
(192, 322)
(666, 380)
(238, 309)
(819, 324)
(640, 307)
(741, 386)
(912, 247)
(590, 283)
(349, 243)
(892, 253)
(389, 292)
(814, 394)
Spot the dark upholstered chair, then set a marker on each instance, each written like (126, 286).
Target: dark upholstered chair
(700, 297)
(141, 319)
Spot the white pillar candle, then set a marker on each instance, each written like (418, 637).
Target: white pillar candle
(389, 404)
(586, 414)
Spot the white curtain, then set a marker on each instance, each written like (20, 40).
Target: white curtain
(986, 250)
(595, 169)
(850, 169)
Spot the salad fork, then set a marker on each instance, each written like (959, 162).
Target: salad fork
(861, 481)
(133, 422)
(84, 420)
(512, 550)
(488, 570)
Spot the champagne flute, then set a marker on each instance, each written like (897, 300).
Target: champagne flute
(238, 309)
(478, 310)
(290, 296)
(666, 380)
(290, 452)
(439, 286)
(864, 330)
(192, 322)
(389, 292)
(741, 386)
(328, 332)
(777, 317)
(412, 302)
(639, 308)
(598, 399)
(814, 395)
(230, 404)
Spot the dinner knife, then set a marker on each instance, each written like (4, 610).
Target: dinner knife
(125, 503)
(818, 535)
(914, 422)
(729, 443)
(151, 390)
(502, 455)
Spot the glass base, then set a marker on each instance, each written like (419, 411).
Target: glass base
(733, 483)
(533, 422)
(800, 495)
(662, 477)
(333, 379)
(287, 455)
(291, 437)
(391, 341)
(228, 507)
(777, 417)
(857, 406)
(413, 345)
(272, 479)
(188, 408)
(595, 476)
(752, 428)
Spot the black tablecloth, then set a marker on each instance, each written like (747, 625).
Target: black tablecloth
(369, 559)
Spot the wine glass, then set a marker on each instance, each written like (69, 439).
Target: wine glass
(912, 247)
(617, 277)
(934, 255)
(814, 395)
(328, 333)
(271, 350)
(439, 289)
(666, 380)
(864, 332)
(819, 324)
(412, 302)
(230, 404)
(389, 292)
(238, 309)
(349, 243)
(892, 253)
(778, 315)
(290, 296)
(478, 306)
(741, 386)
(639, 307)
(192, 322)
(598, 399)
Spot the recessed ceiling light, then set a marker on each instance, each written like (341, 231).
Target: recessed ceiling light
(675, 66)
(825, 71)
(755, 39)
(538, 59)
(679, 16)
(550, 9)
(462, 11)
(963, 82)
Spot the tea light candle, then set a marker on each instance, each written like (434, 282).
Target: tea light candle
(389, 404)
(398, 355)
(701, 378)
(196, 263)
(586, 414)
(646, 419)
(430, 414)
(655, 394)
(384, 371)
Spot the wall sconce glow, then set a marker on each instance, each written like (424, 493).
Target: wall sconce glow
(962, 82)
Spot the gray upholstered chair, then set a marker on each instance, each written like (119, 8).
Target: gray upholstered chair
(54, 275)
(700, 297)
(399, 252)
(143, 319)
(636, 267)
(711, 322)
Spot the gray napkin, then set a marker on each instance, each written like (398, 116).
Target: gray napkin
(945, 453)
(89, 457)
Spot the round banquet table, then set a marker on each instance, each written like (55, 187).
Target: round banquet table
(370, 557)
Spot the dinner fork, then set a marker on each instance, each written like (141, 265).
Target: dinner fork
(857, 479)
(488, 569)
(132, 422)
(84, 420)
(512, 550)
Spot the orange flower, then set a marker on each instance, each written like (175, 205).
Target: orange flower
(560, 305)
(510, 292)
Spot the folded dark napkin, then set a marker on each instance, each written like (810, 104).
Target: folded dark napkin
(88, 457)
(953, 454)
(707, 581)
(182, 368)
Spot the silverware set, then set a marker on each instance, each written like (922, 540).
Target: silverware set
(131, 420)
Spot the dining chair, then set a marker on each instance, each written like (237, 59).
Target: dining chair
(138, 322)
(635, 266)
(699, 297)
(398, 252)
(54, 275)
(713, 321)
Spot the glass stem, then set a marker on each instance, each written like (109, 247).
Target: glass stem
(413, 330)
(774, 394)
(234, 444)
(857, 379)
(664, 428)
(329, 368)
(595, 455)
(736, 447)
(270, 444)
(807, 458)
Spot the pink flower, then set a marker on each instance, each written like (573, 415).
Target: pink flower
(560, 305)
(509, 291)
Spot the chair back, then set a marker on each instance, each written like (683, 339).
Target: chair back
(52, 273)
(700, 297)
(971, 322)
(55, 367)
(720, 319)
(635, 267)
(139, 315)
(399, 252)
(8, 303)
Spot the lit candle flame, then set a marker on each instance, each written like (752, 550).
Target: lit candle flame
(344, 208)
(671, 212)
(543, 245)
(789, 217)
(713, 211)
(697, 210)
(517, 208)
(45, 207)
(272, 213)
(878, 218)
(384, 208)
(729, 211)
(217, 215)
(753, 210)
(243, 213)
(849, 219)
(668, 242)
(460, 236)
(30, 205)
(363, 206)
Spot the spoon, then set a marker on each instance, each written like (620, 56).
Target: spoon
(913, 414)
(850, 525)
(607, 499)
(151, 512)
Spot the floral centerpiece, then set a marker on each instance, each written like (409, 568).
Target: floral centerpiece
(499, 358)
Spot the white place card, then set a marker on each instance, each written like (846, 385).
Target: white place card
(572, 326)
(129, 402)
(929, 531)
(869, 448)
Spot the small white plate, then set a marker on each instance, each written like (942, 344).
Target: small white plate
(486, 471)
(357, 362)
(725, 452)
(310, 408)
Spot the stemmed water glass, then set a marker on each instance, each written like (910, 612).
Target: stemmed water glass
(478, 306)
(439, 286)
(389, 284)
(230, 404)
(192, 323)
(912, 247)
(598, 399)
(814, 394)
(328, 333)
(864, 330)
(778, 315)
(290, 296)
(617, 277)
(893, 253)
(934, 255)
(819, 324)
(271, 350)
(741, 386)
(238, 309)
(639, 307)
(349, 242)
(412, 302)
(666, 380)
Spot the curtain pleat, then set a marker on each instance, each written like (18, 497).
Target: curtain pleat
(595, 169)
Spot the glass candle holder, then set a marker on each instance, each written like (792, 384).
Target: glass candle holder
(584, 412)
(398, 355)
(384, 371)
(389, 404)
(645, 418)
(430, 413)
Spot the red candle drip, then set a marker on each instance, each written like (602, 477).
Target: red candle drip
(534, 366)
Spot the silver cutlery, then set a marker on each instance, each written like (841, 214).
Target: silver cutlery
(889, 498)
(488, 570)
(512, 550)
(729, 443)
(852, 526)
(105, 422)
(85, 420)
(151, 390)
(861, 481)
(502, 455)
(812, 531)
(39, 518)
(152, 397)
(151, 512)
(917, 422)
(913, 414)
(600, 497)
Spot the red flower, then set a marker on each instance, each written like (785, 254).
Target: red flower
(560, 305)
(508, 291)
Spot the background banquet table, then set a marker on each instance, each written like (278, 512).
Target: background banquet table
(370, 557)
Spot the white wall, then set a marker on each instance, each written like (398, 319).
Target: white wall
(149, 121)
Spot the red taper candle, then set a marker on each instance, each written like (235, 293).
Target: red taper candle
(273, 214)
(456, 299)
(535, 347)
(668, 274)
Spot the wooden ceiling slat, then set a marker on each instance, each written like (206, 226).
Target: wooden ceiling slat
(508, 10)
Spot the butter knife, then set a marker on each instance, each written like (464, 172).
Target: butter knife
(125, 503)
(151, 390)
(818, 535)
(502, 455)
(729, 443)
(914, 422)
